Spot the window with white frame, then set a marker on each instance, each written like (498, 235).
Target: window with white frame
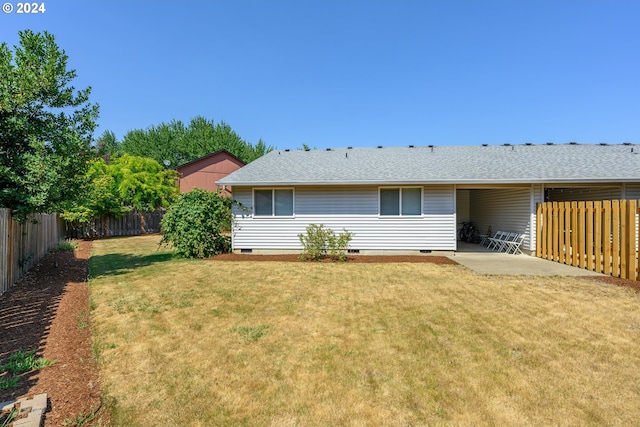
(401, 201)
(273, 202)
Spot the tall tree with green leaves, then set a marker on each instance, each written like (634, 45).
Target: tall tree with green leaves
(124, 184)
(46, 126)
(142, 183)
(175, 144)
(108, 146)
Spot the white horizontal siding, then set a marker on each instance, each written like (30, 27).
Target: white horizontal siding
(632, 191)
(336, 200)
(433, 232)
(537, 197)
(354, 209)
(585, 193)
(506, 209)
(439, 199)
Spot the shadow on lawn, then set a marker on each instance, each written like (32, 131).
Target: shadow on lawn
(115, 264)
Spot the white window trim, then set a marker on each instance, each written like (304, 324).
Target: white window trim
(401, 187)
(273, 202)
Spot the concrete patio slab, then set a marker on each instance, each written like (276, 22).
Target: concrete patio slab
(484, 261)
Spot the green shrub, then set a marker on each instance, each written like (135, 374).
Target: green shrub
(68, 245)
(320, 242)
(198, 225)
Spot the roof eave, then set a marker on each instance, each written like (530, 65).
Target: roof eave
(425, 182)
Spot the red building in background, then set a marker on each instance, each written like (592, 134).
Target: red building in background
(205, 171)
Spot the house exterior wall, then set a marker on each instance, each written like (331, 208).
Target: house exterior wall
(585, 193)
(354, 208)
(506, 209)
(463, 206)
(632, 191)
(205, 172)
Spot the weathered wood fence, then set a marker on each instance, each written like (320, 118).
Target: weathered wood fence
(132, 224)
(600, 236)
(22, 244)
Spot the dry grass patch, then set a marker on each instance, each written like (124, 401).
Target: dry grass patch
(197, 343)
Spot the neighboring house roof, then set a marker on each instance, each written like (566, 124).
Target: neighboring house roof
(489, 164)
(215, 153)
(203, 172)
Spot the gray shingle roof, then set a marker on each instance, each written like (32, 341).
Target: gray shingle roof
(455, 164)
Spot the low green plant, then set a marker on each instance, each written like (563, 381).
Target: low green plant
(25, 361)
(251, 333)
(320, 242)
(8, 417)
(68, 245)
(92, 417)
(19, 362)
(83, 321)
(8, 381)
(82, 419)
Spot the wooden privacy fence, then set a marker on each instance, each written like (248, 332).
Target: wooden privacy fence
(599, 236)
(22, 244)
(132, 224)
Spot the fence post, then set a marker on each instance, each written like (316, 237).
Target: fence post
(539, 225)
(606, 236)
(561, 227)
(628, 239)
(567, 232)
(589, 237)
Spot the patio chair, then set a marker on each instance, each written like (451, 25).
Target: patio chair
(513, 246)
(484, 238)
(495, 241)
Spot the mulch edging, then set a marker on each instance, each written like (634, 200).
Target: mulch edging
(351, 259)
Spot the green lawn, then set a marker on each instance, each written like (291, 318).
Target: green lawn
(203, 343)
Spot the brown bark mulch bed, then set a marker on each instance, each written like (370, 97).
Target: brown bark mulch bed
(350, 259)
(48, 311)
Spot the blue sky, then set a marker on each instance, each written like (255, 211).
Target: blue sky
(358, 73)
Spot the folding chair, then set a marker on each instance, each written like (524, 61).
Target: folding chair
(495, 241)
(513, 246)
(484, 238)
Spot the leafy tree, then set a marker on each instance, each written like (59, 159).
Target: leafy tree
(127, 183)
(143, 183)
(179, 144)
(107, 146)
(46, 126)
(100, 198)
(198, 224)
